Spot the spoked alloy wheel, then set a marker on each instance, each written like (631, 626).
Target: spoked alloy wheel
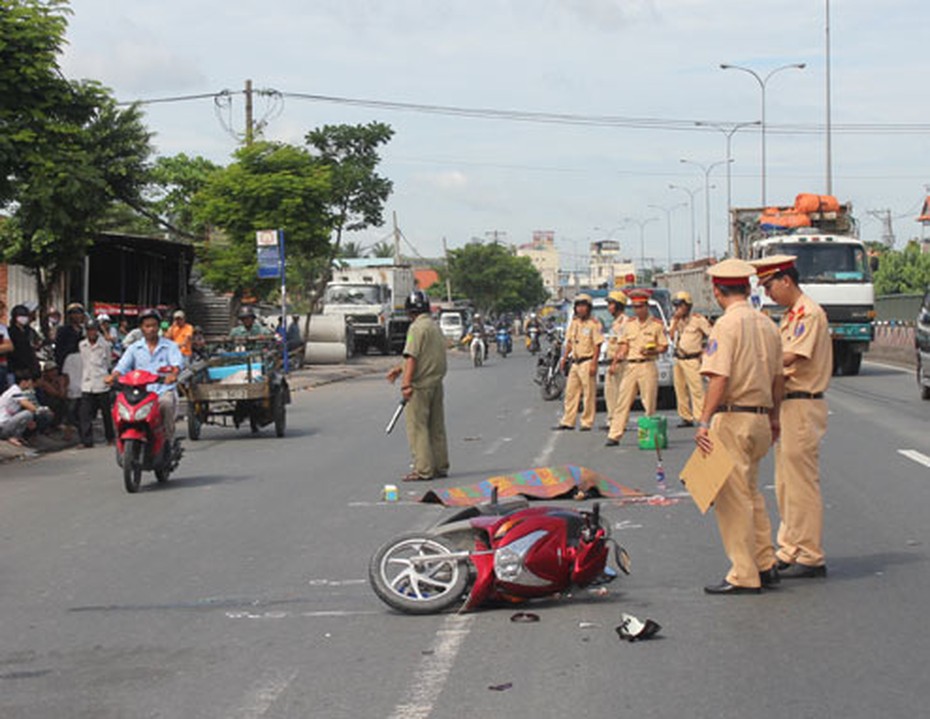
(132, 464)
(553, 387)
(405, 578)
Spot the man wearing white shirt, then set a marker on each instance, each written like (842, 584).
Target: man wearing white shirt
(95, 393)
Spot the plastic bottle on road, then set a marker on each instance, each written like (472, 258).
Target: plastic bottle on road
(661, 487)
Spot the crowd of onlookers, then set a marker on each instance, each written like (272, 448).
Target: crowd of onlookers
(56, 383)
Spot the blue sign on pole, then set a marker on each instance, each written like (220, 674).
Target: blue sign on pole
(269, 254)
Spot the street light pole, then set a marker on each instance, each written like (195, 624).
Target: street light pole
(762, 83)
(668, 226)
(691, 194)
(642, 237)
(706, 169)
(728, 132)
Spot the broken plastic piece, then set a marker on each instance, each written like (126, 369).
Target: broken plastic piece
(631, 628)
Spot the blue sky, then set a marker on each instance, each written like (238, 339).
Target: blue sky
(461, 177)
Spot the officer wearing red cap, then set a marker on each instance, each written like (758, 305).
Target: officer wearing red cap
(808, 365)
(742, 361)
(642, 339)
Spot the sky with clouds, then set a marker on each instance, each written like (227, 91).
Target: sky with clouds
(464, 177)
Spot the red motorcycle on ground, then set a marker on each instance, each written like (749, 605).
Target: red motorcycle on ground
(505, 551)
(141, 443)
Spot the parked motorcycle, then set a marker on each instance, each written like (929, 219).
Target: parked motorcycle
(504, 342)
(501, 551)
(549, 375)
(141, 442)
(532, 339)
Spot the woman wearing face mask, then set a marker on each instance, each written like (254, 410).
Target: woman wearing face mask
(23, 357)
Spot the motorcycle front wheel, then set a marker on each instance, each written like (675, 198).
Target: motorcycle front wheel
(405, 578)
(552, 387)
(132, 464)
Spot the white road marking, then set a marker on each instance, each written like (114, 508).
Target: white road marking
(527, 412)
(263, 696)
(497, 444)
(335, 582)
(542, 458)
(430, 677)
(319, 614)
(915, 456)
(902, 370)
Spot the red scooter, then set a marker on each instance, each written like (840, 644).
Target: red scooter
(503, 551)
(141, 444)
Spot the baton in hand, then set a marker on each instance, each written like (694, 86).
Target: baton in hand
(397, 413)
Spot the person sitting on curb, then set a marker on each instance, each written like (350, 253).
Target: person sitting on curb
(17, 411)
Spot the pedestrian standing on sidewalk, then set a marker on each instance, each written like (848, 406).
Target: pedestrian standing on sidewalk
(95, 392)
(423, 370)
(808, 362)
(689, 332)
(583, 340)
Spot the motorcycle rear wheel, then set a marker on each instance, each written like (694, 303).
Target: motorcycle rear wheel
(412, 585)
(132, 465)
(553, 387)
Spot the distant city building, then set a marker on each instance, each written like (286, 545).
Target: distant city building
(606, 268)
(545, 258)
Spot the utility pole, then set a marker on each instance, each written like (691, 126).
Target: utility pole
(495, 235)
(829, 120)
(249, 120)
(884, 216)
(396, 239)
(445, 252)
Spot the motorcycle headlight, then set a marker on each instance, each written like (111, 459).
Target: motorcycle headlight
(507, 564)
(509, 560)
(125, 413)
(144, 411)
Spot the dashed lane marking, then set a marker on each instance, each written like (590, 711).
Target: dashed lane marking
(915, 456)
(264, 694)
(542, 459)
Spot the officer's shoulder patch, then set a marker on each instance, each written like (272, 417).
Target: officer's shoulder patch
(799, 330)
(711, 348)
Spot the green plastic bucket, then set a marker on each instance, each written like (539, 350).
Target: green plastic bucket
(652, 431)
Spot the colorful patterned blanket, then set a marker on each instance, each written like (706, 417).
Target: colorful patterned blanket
(540, 483)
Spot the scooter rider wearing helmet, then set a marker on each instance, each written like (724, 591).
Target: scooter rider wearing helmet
(157, 355)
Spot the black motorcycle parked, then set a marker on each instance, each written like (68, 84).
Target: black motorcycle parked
(549, 375)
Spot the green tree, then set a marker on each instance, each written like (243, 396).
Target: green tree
(268, 186)
(903, 272)
(495, 279)
(383, 248)
(357, 193)
(350, 250)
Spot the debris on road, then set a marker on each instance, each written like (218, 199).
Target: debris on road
(501, 687)
(632, 629)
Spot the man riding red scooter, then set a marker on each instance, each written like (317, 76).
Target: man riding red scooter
(147, 373)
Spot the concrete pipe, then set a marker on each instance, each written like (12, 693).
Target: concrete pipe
(326, 353)
(325, 328)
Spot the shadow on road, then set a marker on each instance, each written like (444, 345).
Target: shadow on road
(868, 565)
(184, 482)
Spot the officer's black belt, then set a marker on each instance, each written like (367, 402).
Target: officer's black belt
(804, 395)
(580, 360)
(693, 355)
(636, 361)
(742, 408)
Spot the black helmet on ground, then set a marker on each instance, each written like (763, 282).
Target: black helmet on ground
(417, 302)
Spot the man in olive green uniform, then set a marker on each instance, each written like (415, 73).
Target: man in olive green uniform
(688, 331)
(423, 370)
(808, 364)
(642, 339)
(616, 305)
(743, 363)
(249, 329)
(583, 340)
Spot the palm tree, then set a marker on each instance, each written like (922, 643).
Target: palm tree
(382, 249)
(350, 249)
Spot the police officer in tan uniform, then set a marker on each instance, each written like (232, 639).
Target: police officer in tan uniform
(423, 370)
(641, 340)
(742, 361)
(616, 305)
(808, 364)
(689, 331)
(583, 341)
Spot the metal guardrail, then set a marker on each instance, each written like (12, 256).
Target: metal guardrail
(897, 308)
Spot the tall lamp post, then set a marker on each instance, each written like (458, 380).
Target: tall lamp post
(668, 226)
(691, 194)
(728, 132)
(642, 238)
(763, 81)
(706, 169)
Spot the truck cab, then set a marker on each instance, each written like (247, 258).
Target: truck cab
(834, 272)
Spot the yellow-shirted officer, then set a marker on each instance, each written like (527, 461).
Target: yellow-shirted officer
(583, 340)
(641, 340)
(689, 331)
(808, 365)
(423, 370)
(616, 305)
(742, 361)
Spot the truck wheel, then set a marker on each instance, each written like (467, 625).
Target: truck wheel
(279, 412)
(852, 364)
(385, 345)
(361, 347)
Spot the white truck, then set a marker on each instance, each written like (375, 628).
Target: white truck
(370, 294)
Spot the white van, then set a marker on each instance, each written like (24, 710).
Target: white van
(451, 325)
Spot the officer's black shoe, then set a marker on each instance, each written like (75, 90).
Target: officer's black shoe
(803, 571)
(726, 588)
(584, 429)
(685, 423)
(611, 442)
(562, 428)
(769, 577)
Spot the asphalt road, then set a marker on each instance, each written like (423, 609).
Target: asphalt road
(239, 589)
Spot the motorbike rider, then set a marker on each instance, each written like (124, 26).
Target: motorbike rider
(532, 322)
(248, 329)
(157, 355)
(478, 329)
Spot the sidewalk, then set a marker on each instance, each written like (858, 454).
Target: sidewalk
(307, 378)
